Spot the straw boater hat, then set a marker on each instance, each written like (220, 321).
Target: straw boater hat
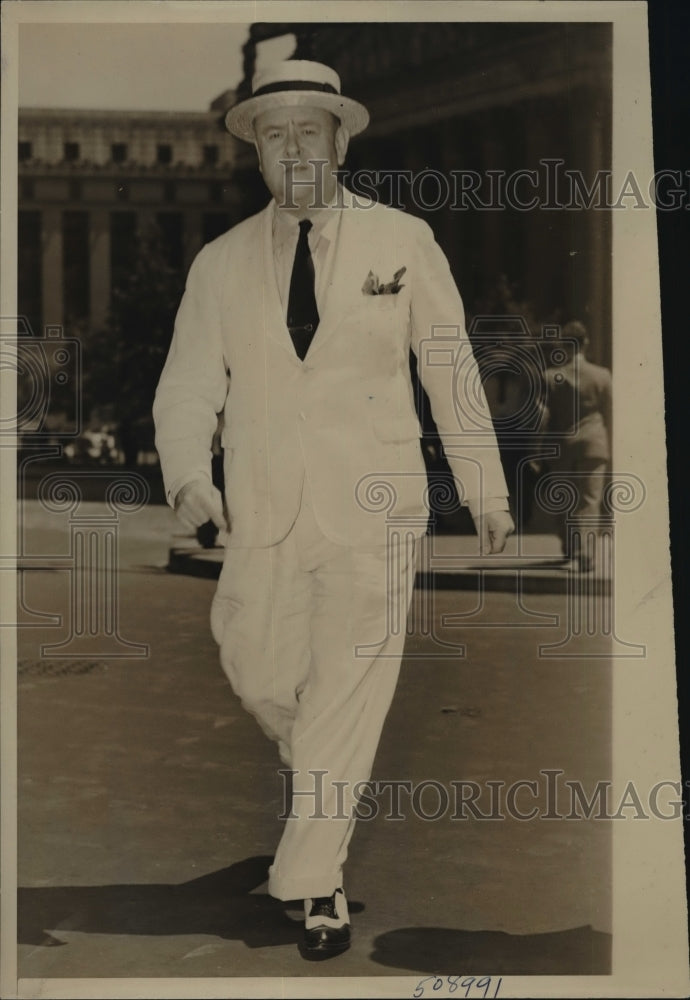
(296, 82)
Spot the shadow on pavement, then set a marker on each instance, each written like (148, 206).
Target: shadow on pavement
(219, 903)
(444, 951)
(222, 904)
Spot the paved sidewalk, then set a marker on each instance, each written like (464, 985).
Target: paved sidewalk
(531, 562)
(149, 801)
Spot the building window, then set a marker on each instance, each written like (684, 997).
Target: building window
(118, 152)
(122, 192)
(27, 189)
(24, 151)
(75, 190)
(215, 191)
(71, 151)
(164, 154)
(210, 155)
(169, 191)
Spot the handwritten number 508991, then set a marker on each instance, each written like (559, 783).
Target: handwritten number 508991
(466, 986)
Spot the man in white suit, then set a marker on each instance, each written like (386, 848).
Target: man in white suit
(297, 325)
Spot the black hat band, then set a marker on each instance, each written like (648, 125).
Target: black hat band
(274, 88)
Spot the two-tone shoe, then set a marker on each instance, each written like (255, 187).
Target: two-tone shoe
(326, 925)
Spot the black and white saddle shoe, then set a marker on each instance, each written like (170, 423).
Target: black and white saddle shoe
(326, 925)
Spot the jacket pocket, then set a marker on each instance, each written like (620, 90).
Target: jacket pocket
(389, 301)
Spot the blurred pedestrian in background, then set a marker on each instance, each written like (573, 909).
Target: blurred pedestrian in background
(577, 417)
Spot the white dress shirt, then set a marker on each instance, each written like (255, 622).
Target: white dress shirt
(323, 238)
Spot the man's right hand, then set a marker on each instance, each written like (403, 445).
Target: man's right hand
(198, 502)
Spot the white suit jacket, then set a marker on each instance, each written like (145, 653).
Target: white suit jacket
(344, 417)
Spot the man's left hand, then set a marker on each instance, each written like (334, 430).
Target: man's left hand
(493, 530)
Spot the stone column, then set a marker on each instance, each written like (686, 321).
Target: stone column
(491, 240)
(99, 248)
(546, 259)
(590, 291)
(51, 267)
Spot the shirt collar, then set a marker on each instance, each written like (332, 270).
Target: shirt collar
(324, 222)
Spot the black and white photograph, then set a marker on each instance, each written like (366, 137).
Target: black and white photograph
(337, 619)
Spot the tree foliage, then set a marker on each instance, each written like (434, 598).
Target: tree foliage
(123, 360)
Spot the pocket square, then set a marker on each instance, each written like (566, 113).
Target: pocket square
(372, 285)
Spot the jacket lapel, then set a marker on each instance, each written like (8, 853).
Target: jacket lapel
(273, 316)
(346, 277)
(356, 230)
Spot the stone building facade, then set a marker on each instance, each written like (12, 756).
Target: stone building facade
(448, 103)
(89, 181)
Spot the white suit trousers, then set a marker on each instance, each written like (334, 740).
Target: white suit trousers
(311, 636)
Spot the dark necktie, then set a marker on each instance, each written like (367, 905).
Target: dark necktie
(302, 314)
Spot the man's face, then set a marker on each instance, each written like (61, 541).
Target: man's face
(304, 135)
